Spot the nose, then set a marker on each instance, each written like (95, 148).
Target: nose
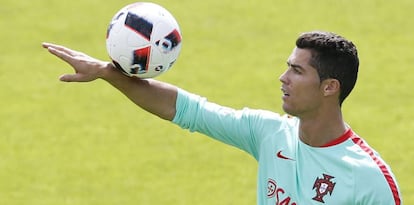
(283, 78)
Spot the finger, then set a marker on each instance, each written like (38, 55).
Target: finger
(46, 44)
(67, 77)
(72, 78)
(60, 48)
(61, 54)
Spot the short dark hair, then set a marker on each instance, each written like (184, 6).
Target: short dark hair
(333, 57)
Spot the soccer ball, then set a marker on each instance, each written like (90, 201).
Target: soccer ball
(143, 40)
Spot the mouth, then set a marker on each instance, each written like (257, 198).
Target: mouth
(285, 93)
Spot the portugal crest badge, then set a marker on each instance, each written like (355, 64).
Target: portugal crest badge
(323, 186)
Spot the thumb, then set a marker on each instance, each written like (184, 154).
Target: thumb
(68, 78)
(77, 77)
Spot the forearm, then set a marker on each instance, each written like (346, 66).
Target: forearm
(153, 96)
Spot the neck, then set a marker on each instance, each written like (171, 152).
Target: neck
(322, 129)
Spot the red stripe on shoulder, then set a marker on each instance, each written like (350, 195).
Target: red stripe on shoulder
(393, 186)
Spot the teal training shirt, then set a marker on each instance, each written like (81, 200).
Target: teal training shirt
(346, 171)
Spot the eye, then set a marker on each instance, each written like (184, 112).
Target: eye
(296, 70)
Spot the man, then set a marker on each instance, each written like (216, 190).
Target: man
(313, 157)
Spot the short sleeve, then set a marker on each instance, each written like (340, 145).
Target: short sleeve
(243, 128)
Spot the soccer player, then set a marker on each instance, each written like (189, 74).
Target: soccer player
(309, 156)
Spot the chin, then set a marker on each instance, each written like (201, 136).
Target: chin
(288, 110)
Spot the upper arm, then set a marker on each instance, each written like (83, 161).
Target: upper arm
(239, 128)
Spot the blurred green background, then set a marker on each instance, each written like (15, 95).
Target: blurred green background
(86, 144)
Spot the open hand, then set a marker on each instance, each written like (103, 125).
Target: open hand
(86, 68)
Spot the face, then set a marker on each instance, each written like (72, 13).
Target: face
(301, 87)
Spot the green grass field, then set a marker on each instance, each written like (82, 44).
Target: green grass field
(86, 144)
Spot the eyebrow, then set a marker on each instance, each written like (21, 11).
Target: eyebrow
(294, 65)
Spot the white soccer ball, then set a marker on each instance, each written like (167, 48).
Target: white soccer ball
(143, 40)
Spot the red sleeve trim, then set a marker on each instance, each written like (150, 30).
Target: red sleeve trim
(390, 180)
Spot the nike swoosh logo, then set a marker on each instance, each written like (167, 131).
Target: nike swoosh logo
(281, 156)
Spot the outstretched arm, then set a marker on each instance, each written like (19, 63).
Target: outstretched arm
(153, 96)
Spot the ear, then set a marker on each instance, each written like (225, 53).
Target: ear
(330, 87)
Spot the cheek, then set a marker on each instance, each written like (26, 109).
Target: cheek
(308, 91)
